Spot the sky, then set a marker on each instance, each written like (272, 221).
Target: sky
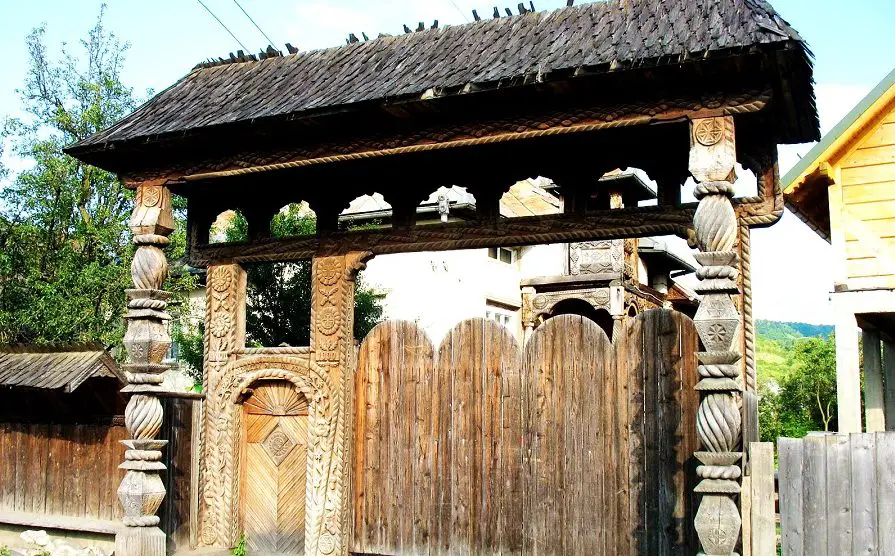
(852, 41)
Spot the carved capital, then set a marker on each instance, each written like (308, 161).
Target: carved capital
(153, 212)
(712, 149)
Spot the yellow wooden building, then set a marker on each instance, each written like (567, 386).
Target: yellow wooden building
(844, 189)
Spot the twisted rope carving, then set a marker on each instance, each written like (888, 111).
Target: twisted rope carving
(149, 268)
(715, 223)
(718, 423)
(718, 472)
(704, 189)
(143, 417)
(748, 319)
(142, 521)
(716, 272)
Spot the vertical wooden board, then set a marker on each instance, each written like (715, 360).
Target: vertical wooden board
(814, 475)
(7, 467)
(530, 441)
(291, 484)
(386, 532)
(686, 437)
(116, 456)
(421, 439)
(511, 490)
(636, 402)
(22, 463)
(367, 491)
(763, 525)
(488, 455)
(862, 448)
(41, 466)
(621, 371)
(443, 483)
(792, 519)
(401, 442)
(55, 470)
(839, 508)
(462, 441)
(668, 418)
(476, 360)
(608, 429)
(651, 449)
(885, 489)
(259, 513)
(746, 513)
(106, 480)
(95, 443)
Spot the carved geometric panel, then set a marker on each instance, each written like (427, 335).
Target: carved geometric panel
(278, 445)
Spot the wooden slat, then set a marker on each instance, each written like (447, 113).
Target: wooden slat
(868, 193)
(636, 448)
(763, 522)
(7, 467)
(868, 156)
(838, 495)
(868, 174)
(93, 439)
(792, 519)
(22, 463)
(814, 496)
(883, 135)
(885, 489)
(862, 448)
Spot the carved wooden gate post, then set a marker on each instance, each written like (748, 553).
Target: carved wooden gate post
(332, 323)
(718, 421)
(146, 341)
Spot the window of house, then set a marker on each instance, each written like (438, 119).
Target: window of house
(502, 254)
(499, 313)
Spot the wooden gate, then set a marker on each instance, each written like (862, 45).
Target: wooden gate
(276, 421)
(570, 446)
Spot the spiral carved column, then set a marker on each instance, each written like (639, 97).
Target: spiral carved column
(146, 342)
(718, 420)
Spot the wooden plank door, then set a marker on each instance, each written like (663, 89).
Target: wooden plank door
(276, 421)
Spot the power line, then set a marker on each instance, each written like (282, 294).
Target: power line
(454, 4)
(269, 40)
(222, 25)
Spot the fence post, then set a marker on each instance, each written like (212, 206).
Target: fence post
(764, 527)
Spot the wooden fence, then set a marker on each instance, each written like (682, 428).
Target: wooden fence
(572, 445)
(66, 476)
(837, 494)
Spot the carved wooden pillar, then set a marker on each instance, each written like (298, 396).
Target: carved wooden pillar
(146, 342)
(718, 420)
(225, 292)
(332, 322)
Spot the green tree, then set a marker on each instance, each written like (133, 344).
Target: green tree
(64, 245)
(804, 400)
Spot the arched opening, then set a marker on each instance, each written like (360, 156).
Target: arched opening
(228, 226)
(583, 308)
(294, 219)
(367, 212)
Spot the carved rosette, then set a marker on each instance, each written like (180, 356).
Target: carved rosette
(718, 419)
(332, 321)
(146, 342)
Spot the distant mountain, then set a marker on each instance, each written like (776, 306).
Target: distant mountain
(775, 343)
(786, 332)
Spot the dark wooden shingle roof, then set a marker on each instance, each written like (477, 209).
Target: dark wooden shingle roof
(535, 47)
(54, 367)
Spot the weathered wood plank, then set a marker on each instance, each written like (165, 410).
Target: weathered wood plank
(792, 519)
(22, 463)
(814, 496)
(885, 489)
(7, 467)
(838, 495)
(863, 493)
(763, 522)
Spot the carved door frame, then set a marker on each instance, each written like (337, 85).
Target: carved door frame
(224, 480)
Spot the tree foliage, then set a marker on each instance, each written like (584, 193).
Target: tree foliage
(804, 400)
(64, 246)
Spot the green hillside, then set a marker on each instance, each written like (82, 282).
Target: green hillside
(775, 342)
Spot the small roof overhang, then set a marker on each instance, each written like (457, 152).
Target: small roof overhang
(55, 368)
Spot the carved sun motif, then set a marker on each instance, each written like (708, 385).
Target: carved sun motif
(716, 333)
(539, 302)
(151, 196)
(328, 271)
(278, 445)
(328, 320)
(709, 131)
(221, 325)
(222, 279)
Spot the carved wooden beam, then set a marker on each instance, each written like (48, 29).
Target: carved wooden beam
(718, 420)
(609, 224)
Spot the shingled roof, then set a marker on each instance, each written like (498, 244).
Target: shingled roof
(55, 367)
(536, 47)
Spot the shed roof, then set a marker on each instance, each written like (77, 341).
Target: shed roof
(536, 47)
(806, 183)
(54, 368)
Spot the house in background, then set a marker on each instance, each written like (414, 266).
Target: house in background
(606, 281)
(844, 189)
